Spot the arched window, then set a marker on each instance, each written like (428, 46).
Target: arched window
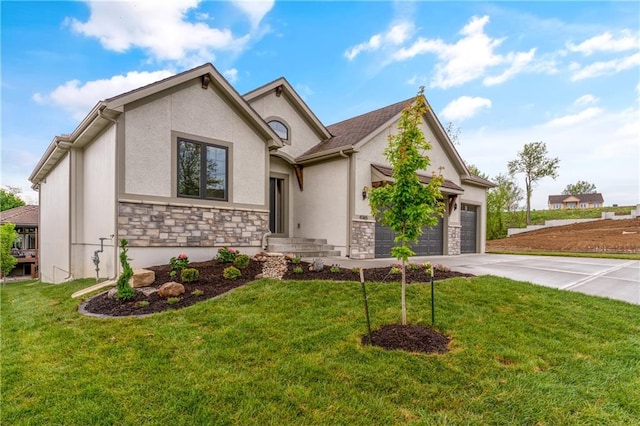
(280, 128)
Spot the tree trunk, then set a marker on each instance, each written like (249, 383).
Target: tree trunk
(404, 286)
(528, 189)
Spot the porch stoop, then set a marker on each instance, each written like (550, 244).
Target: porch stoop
(301, 247)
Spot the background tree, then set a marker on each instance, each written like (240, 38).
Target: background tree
(454, 132)
(503, 199)
(9, 198)
(406, 206)
(8, 235)
(580, 187)
(534, 163)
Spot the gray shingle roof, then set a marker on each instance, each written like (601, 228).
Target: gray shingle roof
(349, 132)
(584, 198)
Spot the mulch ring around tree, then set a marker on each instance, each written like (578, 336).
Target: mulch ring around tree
(410, 338)
(211, 284)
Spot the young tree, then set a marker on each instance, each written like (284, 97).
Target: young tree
(9, 198)
(504, 198)
(8, 235)
(580, 187)
(406, 206)
(534, 163)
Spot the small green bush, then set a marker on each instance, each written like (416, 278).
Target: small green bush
(241, 261)
(414, 266)
(197, 292)
(335, 269)
(227, 255)
(189, 275)
(296, 260)
(355, 270)
(231, 273)
(173, 300)
(395, 270)
(142, 304)
(298, 270)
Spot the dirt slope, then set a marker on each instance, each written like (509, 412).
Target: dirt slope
(608, 236)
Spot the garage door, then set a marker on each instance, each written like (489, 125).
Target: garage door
(469, 230)
(431, 241)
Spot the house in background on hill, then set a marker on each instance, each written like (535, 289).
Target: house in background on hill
(25, 248)
(188, 165)
(576, 201)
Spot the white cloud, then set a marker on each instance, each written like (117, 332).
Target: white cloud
(606, 42)
(255, 9)
(78, 98)
(396, 35)
(231, 75)
(470, 57)
(600, 68)
(161, 28)
(587, 99)
(464, 107)
(304, 91)
(573, 119)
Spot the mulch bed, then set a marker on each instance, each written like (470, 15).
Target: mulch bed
(411, 338)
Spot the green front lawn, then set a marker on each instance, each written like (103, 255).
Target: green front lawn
(289, 353)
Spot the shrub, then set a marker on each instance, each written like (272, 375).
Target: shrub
(441, 268)
(197, 292)
(227, 255)
(241, 261)
(427, 267)
(125, 291)
(335, 269)
(142, 304)
(355, 270)
(298, 270)
(396, 269)
(8, 235)
(173, 300)
(296, 260)
(231, 273)
(413, 266)
(189, 274)
(178, 264)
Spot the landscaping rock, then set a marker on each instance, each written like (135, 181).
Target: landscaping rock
(318, 265)
(171, 289)
(274, 267)
(260, 257)
(111, 294)
(142, 278)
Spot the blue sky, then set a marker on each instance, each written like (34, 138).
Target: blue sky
(505, 73)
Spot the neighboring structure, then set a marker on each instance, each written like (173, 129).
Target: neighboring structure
(187, 165)
(25, 248)
(577, 201)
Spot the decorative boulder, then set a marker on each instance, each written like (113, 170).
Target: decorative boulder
(142, 278)
(171, 289)
(318, 265)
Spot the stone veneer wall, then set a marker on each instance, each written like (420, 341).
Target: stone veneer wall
(161, 225)
(363, 239)
(454, 239)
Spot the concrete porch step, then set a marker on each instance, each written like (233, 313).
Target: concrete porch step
(302, 247)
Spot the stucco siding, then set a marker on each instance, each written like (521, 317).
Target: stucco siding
(321, 208)
(301, 136)
(54, 223)
(372, 152)
(150, 151)
(96, 207)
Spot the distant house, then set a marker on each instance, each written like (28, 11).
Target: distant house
(188, 165)
(576, 201)
(25, 248)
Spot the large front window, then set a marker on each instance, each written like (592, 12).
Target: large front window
(202, 170)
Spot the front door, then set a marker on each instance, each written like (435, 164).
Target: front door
(277, 206)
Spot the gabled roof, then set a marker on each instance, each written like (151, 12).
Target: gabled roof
(24, 215)
(348, 133)
(105, 113)
(447, 184)
(479, 181)
(583, 198)
(281, 86)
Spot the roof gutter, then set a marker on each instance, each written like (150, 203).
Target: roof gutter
(323, 155)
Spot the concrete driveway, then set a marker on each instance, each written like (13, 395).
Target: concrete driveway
(612, 278)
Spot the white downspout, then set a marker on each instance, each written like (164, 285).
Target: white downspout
(349, 201)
